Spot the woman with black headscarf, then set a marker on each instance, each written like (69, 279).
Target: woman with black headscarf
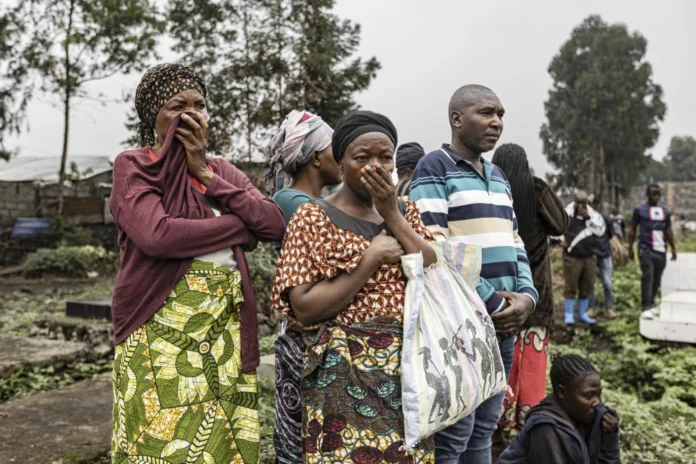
(540, 214)
(183, 307)
(339, 274)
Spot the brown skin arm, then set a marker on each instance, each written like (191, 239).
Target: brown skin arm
(672, 243)
(378, 182)
(632, 240)
(315, 302)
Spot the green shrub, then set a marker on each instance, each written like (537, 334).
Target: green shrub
(654, 432)
(29, 381)
(262, 263)
(70, 261)
(267, 344)
(652, 385)
(69, 232)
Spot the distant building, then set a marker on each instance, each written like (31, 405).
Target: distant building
(29, 188)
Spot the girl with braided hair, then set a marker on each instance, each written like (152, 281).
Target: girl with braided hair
(571, 425)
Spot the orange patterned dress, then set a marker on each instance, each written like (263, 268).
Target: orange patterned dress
(351, 377)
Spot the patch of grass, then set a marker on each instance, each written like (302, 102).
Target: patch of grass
(19, 309)
(27, 382)
(267, 345)
(687, 246)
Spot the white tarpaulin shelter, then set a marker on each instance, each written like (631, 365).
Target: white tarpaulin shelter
(45, 168)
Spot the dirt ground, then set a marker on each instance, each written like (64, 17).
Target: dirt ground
(73, 423)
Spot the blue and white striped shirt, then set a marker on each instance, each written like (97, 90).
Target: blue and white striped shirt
(457, 203)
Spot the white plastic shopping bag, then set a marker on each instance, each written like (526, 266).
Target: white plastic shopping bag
(450, 360)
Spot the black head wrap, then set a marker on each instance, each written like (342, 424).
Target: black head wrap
(408, 155)
(357, 123)
(156, 88)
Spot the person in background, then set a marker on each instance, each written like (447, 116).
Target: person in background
(571, 425)
(464, 198)
(339, 274)
(184, 309)
(655, 224)
(301, 151)
(407, 157)
(540, 214)
(301, 156)
(618, 224)
(579, 256)
(605, 265)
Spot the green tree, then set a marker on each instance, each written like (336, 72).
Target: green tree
(264, 58)
(13, 97)
(603, 109)
(67, 44)
(326, 77)
(654, 171)
(681, 158)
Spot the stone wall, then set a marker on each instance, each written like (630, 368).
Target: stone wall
(680, 198)
(17, 199)
(29, 199)
(85, 189)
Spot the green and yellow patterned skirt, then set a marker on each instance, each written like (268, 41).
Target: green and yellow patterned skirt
(180, 396)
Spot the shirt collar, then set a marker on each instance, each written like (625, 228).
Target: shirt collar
(456, 158)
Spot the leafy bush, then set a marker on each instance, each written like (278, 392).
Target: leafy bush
(652, 385)
(25, 382)
(267, 344)
(70, 261)
(654, 432)
(69, 232)
(262, 263)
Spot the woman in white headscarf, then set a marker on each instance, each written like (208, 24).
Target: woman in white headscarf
(303, 159)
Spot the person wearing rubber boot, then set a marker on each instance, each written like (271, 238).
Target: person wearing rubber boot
(579, 251)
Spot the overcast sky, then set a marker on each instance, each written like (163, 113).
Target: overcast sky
(428, 49)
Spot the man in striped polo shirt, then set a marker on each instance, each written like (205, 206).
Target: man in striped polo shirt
(464, 198)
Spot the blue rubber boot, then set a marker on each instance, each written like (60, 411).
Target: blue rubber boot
(569, 311)
(583, 306)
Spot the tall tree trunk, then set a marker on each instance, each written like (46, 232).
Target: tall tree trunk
(247, 88)
(66, 109)
(603, 177)
(611, 184)
(281, 46)
(593, 167)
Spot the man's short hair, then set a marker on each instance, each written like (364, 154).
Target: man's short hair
(652, 186)
(466, 96)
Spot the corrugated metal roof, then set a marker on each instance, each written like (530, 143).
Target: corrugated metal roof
(45, 169)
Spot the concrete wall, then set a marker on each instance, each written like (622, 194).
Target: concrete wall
(86, 188)
(680, 198)
(17, 199)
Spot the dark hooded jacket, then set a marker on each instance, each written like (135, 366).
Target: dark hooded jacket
(550, 437)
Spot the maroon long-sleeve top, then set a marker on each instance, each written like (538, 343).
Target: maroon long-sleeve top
(157, 247)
